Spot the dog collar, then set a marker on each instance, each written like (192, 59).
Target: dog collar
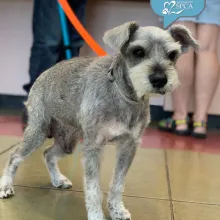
(111, 78)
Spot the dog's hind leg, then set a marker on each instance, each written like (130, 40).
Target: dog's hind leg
(125, 155)
(34, 136)
(51, 155)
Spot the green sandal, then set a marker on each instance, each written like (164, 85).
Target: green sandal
(169, 125)
(197, 124)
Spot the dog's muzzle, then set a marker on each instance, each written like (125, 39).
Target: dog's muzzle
(158, 80)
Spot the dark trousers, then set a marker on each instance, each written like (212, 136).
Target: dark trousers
(47, 48)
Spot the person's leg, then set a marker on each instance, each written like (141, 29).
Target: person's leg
(207, 72)
(46, 39)
(185, 68)
(76, 41)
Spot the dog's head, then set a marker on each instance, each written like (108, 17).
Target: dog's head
(150, 54)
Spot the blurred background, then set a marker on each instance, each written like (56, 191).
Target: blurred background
(101, 15)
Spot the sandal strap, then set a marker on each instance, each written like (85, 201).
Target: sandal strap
(181, 122)
(165, 123)
(199, 124)
(169, 122)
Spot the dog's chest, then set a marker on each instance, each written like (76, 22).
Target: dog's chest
(116, 129)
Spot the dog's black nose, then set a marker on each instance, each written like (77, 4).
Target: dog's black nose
(158, 80)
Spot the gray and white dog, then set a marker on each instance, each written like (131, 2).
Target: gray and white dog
(100, 99)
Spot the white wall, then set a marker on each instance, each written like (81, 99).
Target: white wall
(16, 36)
(15, 41)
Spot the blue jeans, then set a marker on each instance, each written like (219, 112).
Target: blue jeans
(47, 48)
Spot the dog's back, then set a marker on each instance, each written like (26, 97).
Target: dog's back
(62, 91)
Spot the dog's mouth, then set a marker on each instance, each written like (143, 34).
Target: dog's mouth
(162, 92)
(159, 91)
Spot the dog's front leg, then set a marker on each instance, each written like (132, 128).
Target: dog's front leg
(93, 193)
(125, 156)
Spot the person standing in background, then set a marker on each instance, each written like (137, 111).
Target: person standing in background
(47, 48)
(202, 69)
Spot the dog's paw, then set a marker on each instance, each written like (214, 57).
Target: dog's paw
(96, 216)
(6, 192)
(62, 182)
(119, 213)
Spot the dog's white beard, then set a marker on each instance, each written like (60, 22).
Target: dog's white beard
(173, 81)
(138, 78)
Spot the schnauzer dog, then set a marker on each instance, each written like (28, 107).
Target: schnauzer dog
(100, 99)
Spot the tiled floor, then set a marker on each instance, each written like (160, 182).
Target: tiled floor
(171, 178)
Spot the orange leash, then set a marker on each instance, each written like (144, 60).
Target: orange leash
(82, 31)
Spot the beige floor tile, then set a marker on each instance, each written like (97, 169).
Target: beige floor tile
(146, 178)
(147, 175)
(148, 209)
(7, 141)
(190, 211)
(194, 176)
(44, 204)
(39, 204)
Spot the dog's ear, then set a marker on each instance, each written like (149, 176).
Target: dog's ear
(182, 35)
(118, 36)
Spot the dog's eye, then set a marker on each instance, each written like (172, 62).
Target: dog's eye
(173, 55)
(139, 53)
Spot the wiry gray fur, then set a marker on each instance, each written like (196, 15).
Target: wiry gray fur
(81, 98)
